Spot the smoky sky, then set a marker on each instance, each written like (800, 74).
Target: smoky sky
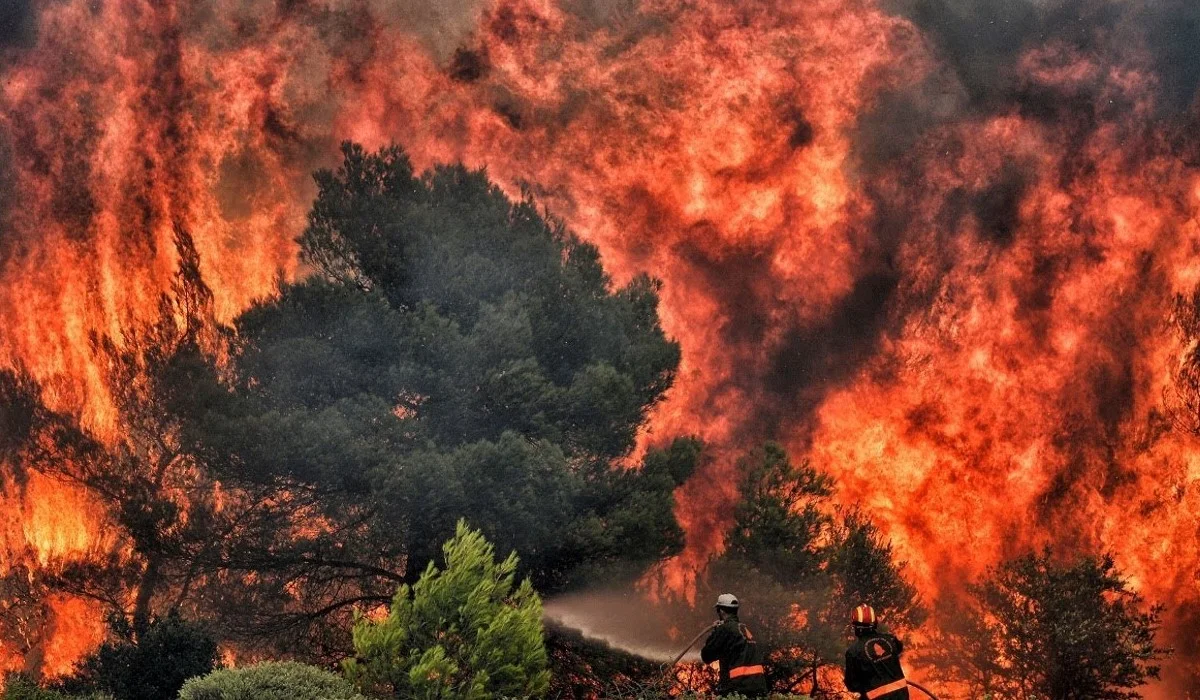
(809, 359)
(980, 43)
(982, 40)
(1174, 37)
(16, 23)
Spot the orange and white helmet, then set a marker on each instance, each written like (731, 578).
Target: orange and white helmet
(864, 616)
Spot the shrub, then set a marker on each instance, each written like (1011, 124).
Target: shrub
(20, 687)
(270, 681)
(151, 665)
(466, 632)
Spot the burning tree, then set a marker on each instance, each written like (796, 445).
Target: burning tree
(801, 565)
(155, 497)
(458, 354)
(1040, 628)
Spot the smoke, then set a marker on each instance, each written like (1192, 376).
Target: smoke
(16, 23)
(1173, 31)
(598, 14)
(442, 26)
(984, 48)
(345, 27)
(983, 42)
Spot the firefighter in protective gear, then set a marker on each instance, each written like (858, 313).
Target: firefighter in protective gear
(873, 660)
(732, 644)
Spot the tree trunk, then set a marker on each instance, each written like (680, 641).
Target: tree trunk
(145, 595)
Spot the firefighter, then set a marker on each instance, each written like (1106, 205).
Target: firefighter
(732, 644)
(873, 660)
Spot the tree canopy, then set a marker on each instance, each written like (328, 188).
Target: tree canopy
(800, 565)
(452, 352)
(467, 631)
(456, 354)
(1040, 627)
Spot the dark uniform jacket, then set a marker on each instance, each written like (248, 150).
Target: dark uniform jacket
(873, 667)
(732, 644)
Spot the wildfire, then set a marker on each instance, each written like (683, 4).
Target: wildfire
(956, 308)
(57, 521)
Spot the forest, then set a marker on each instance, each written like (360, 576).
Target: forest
(367, 485)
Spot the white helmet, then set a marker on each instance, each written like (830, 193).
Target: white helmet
(727, 600)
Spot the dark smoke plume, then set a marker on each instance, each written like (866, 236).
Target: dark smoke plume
(982, 40)
(16, 23)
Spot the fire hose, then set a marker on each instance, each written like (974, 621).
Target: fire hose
(910, 684)
(691, 644)
(706, 630)
(923, 689)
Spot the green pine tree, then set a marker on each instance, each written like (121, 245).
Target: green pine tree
(467, 631)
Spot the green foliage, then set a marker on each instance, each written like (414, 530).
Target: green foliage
(270, 681)
(1040, 628)
(499, 319)
(149, 666)
(459, 354)
(20, 687)
(466, 631)
(779, 521)
(801, 565)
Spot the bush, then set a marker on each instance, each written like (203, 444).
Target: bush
(585, 668)
(270, 681)
(466, 632)
(20, 687)
(1039, 626)
(151, 665)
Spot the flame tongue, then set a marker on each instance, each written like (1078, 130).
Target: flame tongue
(115, 142)
(955, 305)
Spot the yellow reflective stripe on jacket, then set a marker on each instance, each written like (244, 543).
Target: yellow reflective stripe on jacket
(746, 671)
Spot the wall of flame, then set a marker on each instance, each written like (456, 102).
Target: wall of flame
(957, 304)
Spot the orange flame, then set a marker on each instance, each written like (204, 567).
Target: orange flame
(970, 335)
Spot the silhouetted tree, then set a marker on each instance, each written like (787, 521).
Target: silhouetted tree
(148, 665)
(1040, 628)
(801, 565)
